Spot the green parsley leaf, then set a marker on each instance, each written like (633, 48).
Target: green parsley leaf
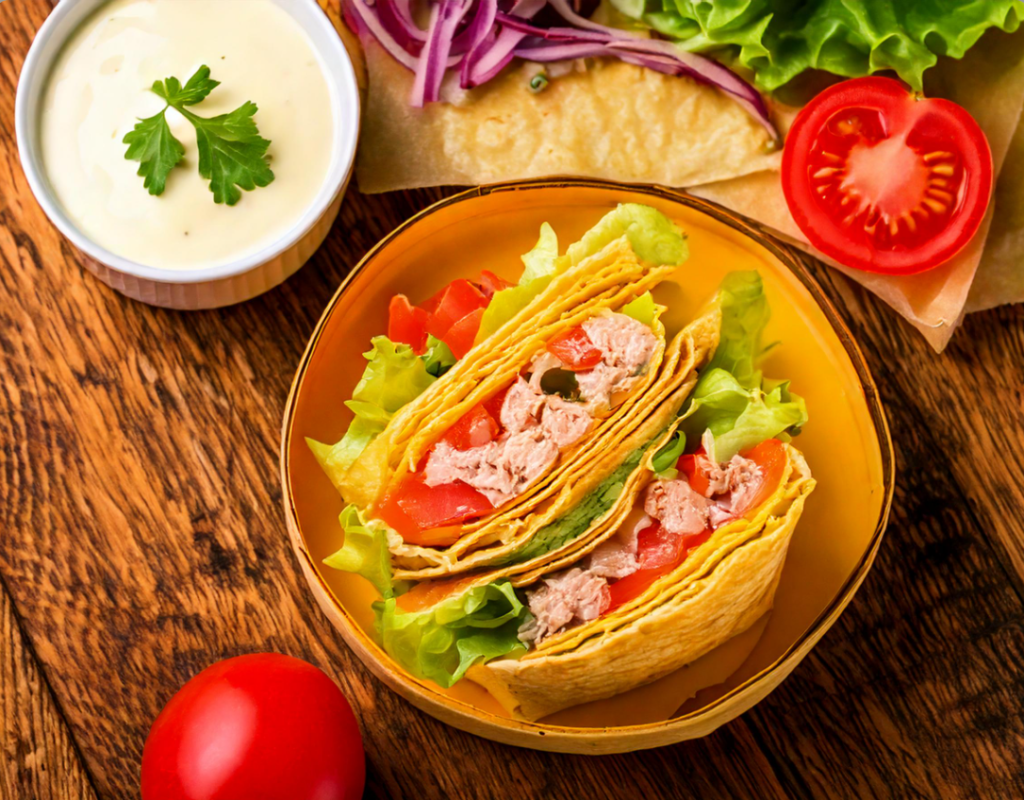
(153, 145)
(195, 91)
(232, 154)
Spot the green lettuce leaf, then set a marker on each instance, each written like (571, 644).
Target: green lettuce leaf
(745, 314)
(732, 398)
(442, 642)
(664, 461)
(540, 264)
(395, 376)
(644, 310)
(779, 39)
(653, 236)
(578, 521)
(438, 357)
(739, 417)
(540, 261)
(364, 552)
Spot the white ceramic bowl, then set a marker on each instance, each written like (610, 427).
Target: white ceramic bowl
(229, 283)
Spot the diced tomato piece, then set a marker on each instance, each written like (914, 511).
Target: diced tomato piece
(632, 586)
(430, 593)
(429, 515)
(659, 553)
(491, 283)
(459, 299)
(695, 467)
(430, 306)
(407, 324)
(656, 547)
(494, 405)
(574, 349)
(475, 428)
(393, 514)
(771, 457)
(461, 336)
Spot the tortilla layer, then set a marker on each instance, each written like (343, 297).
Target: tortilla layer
(499, 540)
(717, 593)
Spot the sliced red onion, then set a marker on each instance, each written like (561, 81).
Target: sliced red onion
(367, 20)
(492, 60)
(551, 34)
(396, 18)
(476, 36)
(444, 21)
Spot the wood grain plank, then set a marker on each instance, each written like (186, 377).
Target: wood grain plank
(38, 759)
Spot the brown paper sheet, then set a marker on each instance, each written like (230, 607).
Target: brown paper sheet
(1000, 277)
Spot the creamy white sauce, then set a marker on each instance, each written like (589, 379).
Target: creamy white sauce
(99, 87)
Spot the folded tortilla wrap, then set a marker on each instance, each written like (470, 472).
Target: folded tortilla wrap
(717, 593)
(532, 531)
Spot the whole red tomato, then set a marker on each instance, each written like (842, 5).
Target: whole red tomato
(256, 727)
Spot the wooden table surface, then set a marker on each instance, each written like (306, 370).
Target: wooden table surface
(142, 537)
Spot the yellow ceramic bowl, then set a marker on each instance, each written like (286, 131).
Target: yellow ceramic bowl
(846, 443)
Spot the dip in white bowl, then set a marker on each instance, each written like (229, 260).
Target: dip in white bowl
(100, 85)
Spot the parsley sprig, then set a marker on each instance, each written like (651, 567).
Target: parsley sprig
(232, 154)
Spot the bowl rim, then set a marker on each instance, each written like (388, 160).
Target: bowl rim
(403, 683)
(346, 101)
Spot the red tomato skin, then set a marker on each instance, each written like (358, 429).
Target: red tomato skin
(475, 428)
(694, 467)
(461, 336)
(256, 727)
(459, 299)
(770, 456)
(900, 108)
(574, 349)
(494, 405)
(407, 324)
(430, 515)
(490, 284)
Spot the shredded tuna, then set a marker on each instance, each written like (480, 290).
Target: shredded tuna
(739, 476)
(731, 487)
(538, 426)
(678, 507)
(563, 600)
(627, 347)
(499, 470)
(625, 343)
(615, 558)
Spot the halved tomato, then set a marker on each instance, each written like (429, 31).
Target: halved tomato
(574, 349)
(883, 180)
(407, 324)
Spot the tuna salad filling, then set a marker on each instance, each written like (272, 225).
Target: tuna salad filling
(678, 516)
(579, 377)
